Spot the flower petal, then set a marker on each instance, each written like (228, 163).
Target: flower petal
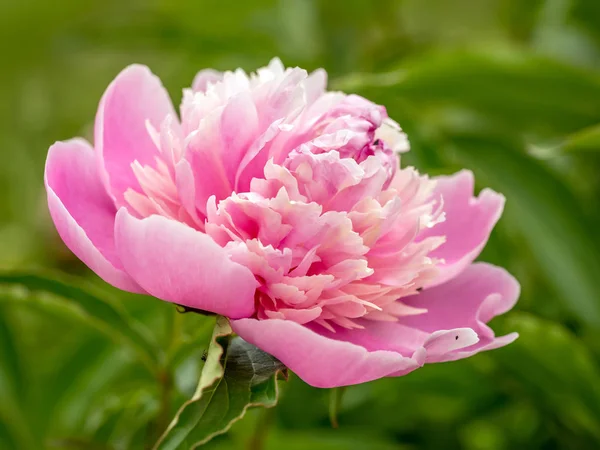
(315, 85)
(454, 326)
(239, 128)
(470, 300)
(204, 77)
(82, 212)
(318, 360)
(205, 164)
(418, 345)
(186, 189)
(406, 340)
(178, 264)
(469, 222)
(121, 135)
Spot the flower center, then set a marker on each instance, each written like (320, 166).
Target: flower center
(327, 242)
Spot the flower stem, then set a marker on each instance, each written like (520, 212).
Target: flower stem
(165, 377)
(335, 403)
(166, 389)
(265, 419)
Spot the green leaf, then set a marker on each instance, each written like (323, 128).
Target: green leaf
(187, 343)
(12, 380)
(11, 376)
(235, 377)
(587, 13)
(92, 381)
(584, 140)
(556, 369)
(520, 90)
(64, 296)
(118, 419)
(547, 214)
(331, 440)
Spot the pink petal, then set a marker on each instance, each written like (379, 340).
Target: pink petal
(186, 189)
(318, 360)
(203, 153)
(470, 300)
(239, 128)
(215, 150)
(121, 135)
(204, 77)
(83, 213)
(469, 222)
(315, 85)
(454, 325)
(178, 264)
(408, 341)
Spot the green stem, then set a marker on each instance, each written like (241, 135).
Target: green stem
(335, 403)
(258, 439)
(166, 389)
(176, 328)
(165, 377)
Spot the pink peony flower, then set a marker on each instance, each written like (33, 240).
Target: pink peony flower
(283, 207)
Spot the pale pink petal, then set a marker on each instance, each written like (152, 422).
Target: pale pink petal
(315, 85)
(121, 136)
(206, 77)
(83, 213)
(186, 189)
(178, 264)
(239, 128)
(482, 346)
(469, 222)
(204, 154)
(443, 342)
(318, 360)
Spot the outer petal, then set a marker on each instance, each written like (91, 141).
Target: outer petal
(178, 264)
(83, 213)
(406, 340)
(469, 222)
(121, 135)
(470, 300)
(318, 360)
(411, 342)
(453, 328)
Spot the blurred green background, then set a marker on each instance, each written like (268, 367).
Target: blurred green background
(507, 88)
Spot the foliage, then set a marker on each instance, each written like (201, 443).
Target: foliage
(236, 376)
(507, 88)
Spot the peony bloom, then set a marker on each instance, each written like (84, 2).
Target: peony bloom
(283, 207)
